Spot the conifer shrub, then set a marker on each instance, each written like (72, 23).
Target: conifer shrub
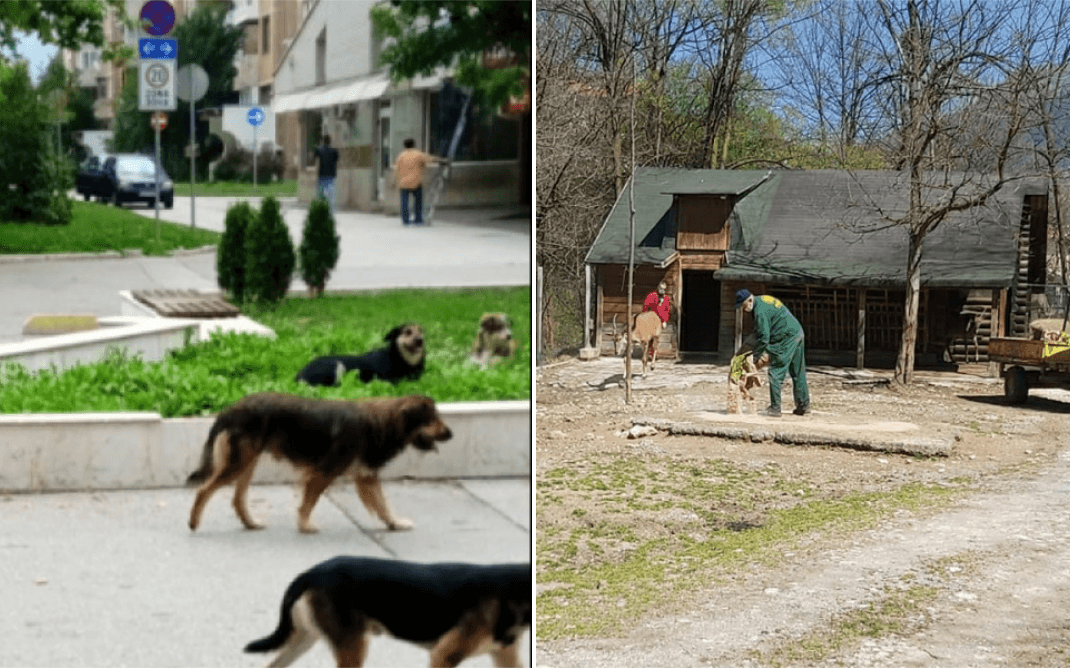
(270, 255)
(231, 253)
(319, 251)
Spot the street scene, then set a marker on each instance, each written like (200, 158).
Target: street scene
(171, 190)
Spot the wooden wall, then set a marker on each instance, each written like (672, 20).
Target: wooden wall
(702, 223)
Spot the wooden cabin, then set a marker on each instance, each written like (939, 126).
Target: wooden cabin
(813, 238)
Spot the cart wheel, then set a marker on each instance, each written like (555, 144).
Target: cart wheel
(1015, 385)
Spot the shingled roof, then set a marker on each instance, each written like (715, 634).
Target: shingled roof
(821, 227)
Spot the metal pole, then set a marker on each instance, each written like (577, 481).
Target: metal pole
(190, 71)
(156, 178)
(255, 158)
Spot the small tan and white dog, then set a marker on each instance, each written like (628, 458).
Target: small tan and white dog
(494, 339)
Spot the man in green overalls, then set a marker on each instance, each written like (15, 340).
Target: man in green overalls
(781, 338)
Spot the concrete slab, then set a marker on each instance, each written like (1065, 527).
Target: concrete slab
(116, 579)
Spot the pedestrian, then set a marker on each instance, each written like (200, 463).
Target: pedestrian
(660, 302)
(781, 339)
(327, 159)
(409, 170)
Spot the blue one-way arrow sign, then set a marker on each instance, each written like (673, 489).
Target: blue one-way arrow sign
(163, 49)
(255, 117)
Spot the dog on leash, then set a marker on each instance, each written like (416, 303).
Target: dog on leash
(494, 339)
(743, 377)
(456, 610)
(403, 358)
(324, 439)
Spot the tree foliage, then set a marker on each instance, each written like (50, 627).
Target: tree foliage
(427, 35)
(33, 177)
(270, 255)
(319, 250)
(231, 254)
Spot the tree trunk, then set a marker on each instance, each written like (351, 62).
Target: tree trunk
(904, 364)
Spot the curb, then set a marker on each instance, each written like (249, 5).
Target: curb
(102, 255)
(913, 446)
(138, 450)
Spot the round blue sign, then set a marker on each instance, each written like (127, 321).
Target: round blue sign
(157, 17)
(256, 116)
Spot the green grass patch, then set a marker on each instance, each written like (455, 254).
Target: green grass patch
(206, 377)
(617, 539)
(280, 189)
(96, 227)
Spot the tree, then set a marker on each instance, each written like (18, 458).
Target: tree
(943, 68)
(427, 35)
(231, 254)
(270, 255)
(319, 249)
(206, 40)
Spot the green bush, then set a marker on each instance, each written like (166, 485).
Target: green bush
(270, 255)
(231, 254)
(319, 250)
(33, 180)
(238, 165)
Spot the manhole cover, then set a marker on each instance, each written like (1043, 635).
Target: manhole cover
(186, 303)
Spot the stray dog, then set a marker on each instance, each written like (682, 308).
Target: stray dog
(743, 377)
(324, 438)
(456, 610)
(493, 339)
(403, 358)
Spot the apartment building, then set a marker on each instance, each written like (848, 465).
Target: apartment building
(326, 78)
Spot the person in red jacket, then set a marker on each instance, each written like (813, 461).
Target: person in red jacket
(660, 302)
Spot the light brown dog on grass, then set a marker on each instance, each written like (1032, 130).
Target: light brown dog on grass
(325, 439)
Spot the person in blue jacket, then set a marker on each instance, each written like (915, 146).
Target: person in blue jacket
(779, 337)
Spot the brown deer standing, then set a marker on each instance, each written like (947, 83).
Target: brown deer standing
(647, 327)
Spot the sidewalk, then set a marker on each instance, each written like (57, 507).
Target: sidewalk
(464, 248)
(116, 579)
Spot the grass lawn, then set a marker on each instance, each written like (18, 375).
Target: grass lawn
(280, 189)
(98, 227)
(206, 377)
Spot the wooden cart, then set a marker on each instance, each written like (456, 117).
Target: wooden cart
(1029, 363)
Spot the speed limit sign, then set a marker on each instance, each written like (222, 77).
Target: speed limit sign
(156, 85)
(159, 120)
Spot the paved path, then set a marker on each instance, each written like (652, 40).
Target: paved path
(465, 248)
(114, 579)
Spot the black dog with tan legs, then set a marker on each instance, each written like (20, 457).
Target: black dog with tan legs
(456, 610)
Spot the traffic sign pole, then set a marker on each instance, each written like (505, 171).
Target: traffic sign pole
(190, 74)
(255, 116)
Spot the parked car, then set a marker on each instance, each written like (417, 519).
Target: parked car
(91, 182)
(130, 177)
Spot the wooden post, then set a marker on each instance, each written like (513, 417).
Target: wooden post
(994, 327)
(861, 328)
(588, 305)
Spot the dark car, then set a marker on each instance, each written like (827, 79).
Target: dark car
(130, 178)
(91, 182)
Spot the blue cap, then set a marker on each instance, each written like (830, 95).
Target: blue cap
(742, 296)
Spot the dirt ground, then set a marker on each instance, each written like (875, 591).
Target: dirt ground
(980, 579)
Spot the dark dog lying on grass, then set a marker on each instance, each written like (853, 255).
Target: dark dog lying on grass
(456, 610)
(325, 439)
(403, 358)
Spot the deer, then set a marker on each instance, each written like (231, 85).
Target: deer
(647, 327)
